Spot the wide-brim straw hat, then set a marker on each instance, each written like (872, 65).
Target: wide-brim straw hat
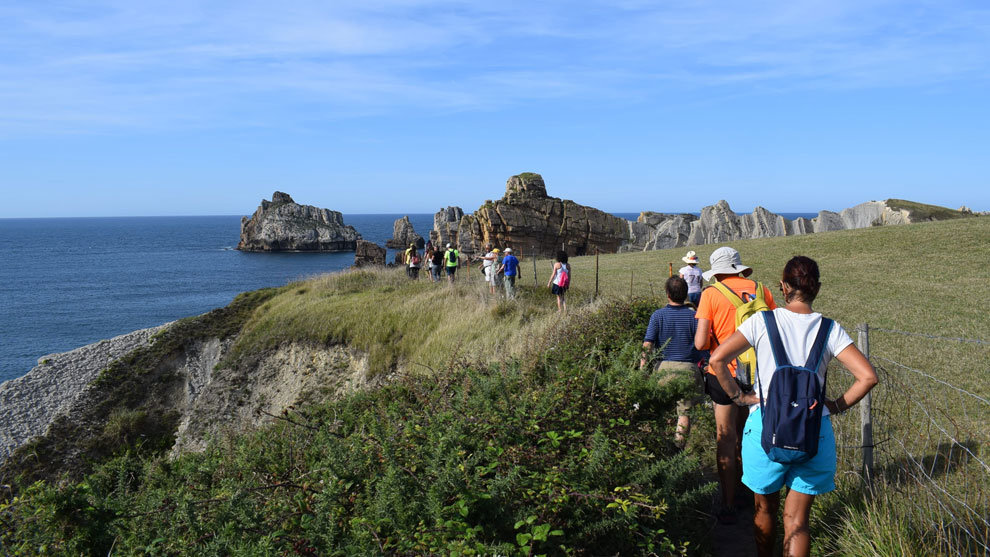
(691, 257)
(726, 261)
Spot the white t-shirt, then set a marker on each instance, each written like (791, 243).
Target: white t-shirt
(693, 276)
(797, 333)
(488, 262)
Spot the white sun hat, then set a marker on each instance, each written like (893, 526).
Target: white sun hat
(726, 261)
(691, 257)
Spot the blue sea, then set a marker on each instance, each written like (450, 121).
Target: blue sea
(67, 282)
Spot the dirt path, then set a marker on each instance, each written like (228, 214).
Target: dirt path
(735, 540)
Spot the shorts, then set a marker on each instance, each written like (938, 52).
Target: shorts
(670, 370)
(694, 298)
(558, 290)
(451, 269)
(718, 395)
(764, 476)
(488, 273)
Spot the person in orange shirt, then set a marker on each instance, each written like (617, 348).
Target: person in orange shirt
(716, 317)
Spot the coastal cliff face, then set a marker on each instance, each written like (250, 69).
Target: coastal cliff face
(527, 219)
(283, 225)
(168, 388)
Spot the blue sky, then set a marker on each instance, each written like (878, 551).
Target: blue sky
(404, 106)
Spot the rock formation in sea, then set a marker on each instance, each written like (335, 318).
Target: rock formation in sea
(404, 234)
(283, 225)
(531, 221)
(368, 254)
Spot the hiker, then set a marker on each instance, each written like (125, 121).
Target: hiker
(800, 331)
(497, 276)
(436, 263)
(560, 280)
(673, 328)
(692, 275)
(412, 262)
(488, 266)
(717, 321)
(510, 270)
(451, 258)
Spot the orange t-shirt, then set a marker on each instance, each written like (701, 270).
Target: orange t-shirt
(715, 307)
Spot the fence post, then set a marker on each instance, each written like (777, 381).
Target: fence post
(536, 281)
(866, 410)
(630, 283)
(596, 274)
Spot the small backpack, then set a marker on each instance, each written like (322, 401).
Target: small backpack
(565, 276)
(792, 411)
(744, 310)
(452, 257)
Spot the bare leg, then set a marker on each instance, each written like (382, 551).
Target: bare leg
(765, 523)
(683, 428)
(726, 441)
(797, 537)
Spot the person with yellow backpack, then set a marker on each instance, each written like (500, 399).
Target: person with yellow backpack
(732, 299)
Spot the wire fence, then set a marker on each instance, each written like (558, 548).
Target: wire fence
(929, 442)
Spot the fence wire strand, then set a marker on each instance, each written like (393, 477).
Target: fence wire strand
(935, 448)
(933, 337)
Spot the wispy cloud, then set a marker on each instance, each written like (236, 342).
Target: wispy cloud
(79, 66)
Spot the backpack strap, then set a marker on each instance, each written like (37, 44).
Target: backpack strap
(729, 293)
(818, 350)
(779, 353)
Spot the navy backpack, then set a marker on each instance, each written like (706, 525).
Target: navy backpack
(792, 411)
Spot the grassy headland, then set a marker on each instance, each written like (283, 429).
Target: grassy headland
(512, 430)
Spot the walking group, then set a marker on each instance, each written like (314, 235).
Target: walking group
(500, 268)
(763, 368)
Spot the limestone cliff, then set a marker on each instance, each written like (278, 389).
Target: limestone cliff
(529, 220)
(404, 234)
(283, 225)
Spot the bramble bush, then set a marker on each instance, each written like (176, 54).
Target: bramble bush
(566, 454)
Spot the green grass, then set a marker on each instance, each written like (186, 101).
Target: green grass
(928, 278)
(922, 212)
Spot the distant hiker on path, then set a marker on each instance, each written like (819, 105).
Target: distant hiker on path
(802, 337)
(451, 258)
(675, 323)
(436, 263)
(509, 269)
(488, 266)
(692, 275)
(412, 262)
(560, 280)
(497, 276)
(717, 318)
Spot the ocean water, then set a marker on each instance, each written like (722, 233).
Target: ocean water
(68, 282)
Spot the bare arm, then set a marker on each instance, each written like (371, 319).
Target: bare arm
(701, 335)
(865, 379)
(647, 348)
(719, 362)
(553, 273)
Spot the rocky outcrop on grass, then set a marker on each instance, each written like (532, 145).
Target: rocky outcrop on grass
(531, 221)
(284, 225)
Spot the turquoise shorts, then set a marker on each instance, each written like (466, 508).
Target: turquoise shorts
(765, 476)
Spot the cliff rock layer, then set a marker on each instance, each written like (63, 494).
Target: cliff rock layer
(530, 221)
(283, 225)
(368, 254)
(404, 234)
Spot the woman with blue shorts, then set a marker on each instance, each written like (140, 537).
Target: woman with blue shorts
(798, 326)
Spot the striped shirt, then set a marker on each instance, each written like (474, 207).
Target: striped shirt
(678, 324)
